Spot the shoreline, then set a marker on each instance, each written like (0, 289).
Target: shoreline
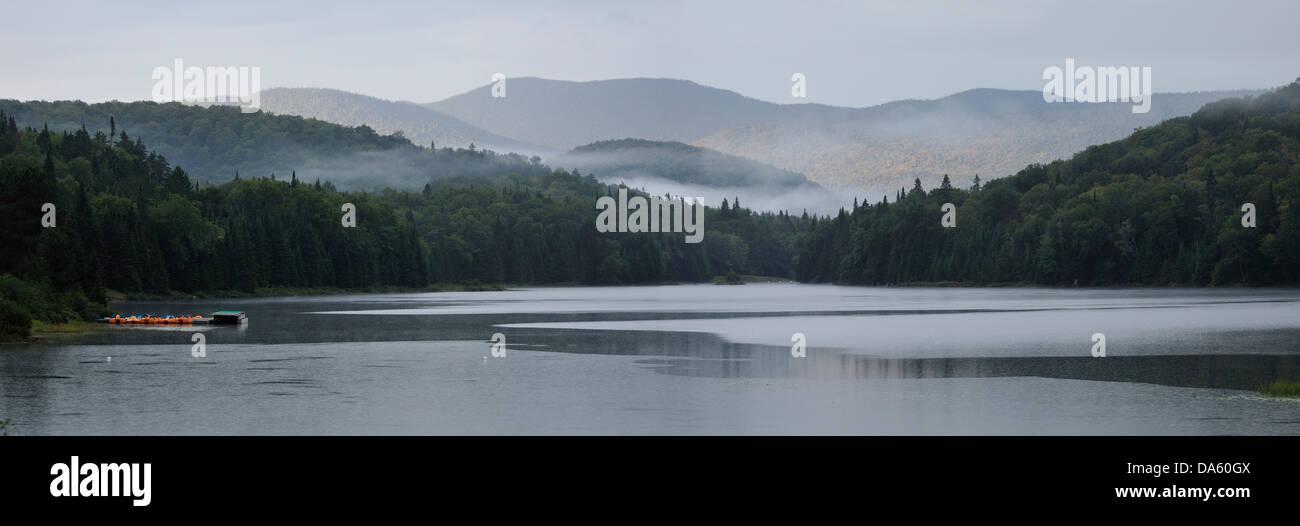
(40, 328)
(272, 292)
(276, 292)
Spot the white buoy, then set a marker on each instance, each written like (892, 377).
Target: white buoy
(110, 358)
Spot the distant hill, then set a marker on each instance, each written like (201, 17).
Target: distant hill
(564, 115)
(881, 148)
(419, 124)
(682, 169)
(678, 162)
(988, 132)
(213, 143)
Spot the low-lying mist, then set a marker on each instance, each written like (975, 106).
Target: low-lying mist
(815, 200)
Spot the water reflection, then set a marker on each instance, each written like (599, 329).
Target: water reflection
(706, 355)
(692, 359)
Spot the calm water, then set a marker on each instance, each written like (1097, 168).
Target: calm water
(679, 360)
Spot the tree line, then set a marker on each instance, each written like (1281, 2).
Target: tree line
(129, 221)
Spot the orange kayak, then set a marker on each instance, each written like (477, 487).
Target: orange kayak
(153, 320)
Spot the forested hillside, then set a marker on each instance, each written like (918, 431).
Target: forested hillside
(127, 219)
(1161, 207)
(215, 143)
(421, 125)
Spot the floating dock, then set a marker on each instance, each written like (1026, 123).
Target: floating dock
(228, 317)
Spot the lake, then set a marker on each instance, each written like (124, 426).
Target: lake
(686, 359)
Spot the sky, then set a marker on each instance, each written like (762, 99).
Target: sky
(851, 53)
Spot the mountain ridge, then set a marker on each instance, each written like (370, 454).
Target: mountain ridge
(987, 131)
(877, 149)
(424, 126)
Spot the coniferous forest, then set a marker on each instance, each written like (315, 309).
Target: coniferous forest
(127, 220)
(1162, 207)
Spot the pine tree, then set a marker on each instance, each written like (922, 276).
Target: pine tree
(43, 140)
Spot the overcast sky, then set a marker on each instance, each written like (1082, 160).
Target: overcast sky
(853, 53)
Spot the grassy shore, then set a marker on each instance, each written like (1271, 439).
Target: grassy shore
(40, 327)
(1281, 388)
